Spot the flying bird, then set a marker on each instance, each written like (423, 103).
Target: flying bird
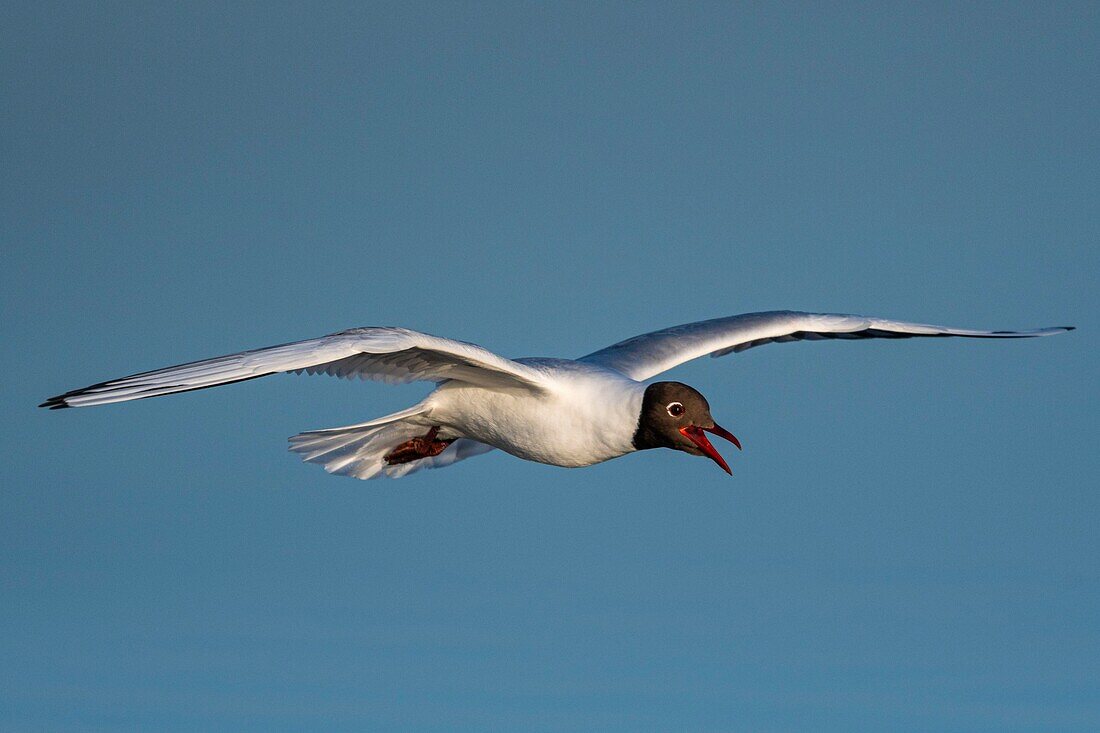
(564, 412)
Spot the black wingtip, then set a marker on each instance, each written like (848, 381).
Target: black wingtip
(56, 403)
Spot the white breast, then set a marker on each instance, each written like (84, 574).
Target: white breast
(588, 414)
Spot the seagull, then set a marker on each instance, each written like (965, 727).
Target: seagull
(562, 412)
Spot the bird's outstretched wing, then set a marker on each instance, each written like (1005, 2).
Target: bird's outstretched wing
(386, 354)
(650, 354)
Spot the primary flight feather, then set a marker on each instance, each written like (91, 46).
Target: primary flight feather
(564, 412)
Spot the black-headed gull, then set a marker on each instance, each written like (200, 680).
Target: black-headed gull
(565, 412)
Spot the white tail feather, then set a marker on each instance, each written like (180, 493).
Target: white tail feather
(359, 450)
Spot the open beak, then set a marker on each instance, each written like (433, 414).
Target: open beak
(696, 435)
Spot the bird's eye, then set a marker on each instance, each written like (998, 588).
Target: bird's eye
(675, 409)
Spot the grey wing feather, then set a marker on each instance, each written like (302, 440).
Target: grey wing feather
(647, 355)
(382, 353)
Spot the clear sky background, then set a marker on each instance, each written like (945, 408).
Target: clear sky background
(910, 540)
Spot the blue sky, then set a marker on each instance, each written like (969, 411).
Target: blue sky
(909, 541)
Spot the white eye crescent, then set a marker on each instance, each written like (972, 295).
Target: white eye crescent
(675, 409)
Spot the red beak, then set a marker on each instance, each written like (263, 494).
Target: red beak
(696, 435)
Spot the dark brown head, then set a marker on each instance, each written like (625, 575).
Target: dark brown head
(675, 415)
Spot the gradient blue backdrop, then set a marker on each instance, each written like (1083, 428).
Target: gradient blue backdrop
(909, 542)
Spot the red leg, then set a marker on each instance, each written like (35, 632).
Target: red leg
(423, 446)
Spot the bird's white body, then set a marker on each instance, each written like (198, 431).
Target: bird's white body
(564, 412)
(586, 414)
